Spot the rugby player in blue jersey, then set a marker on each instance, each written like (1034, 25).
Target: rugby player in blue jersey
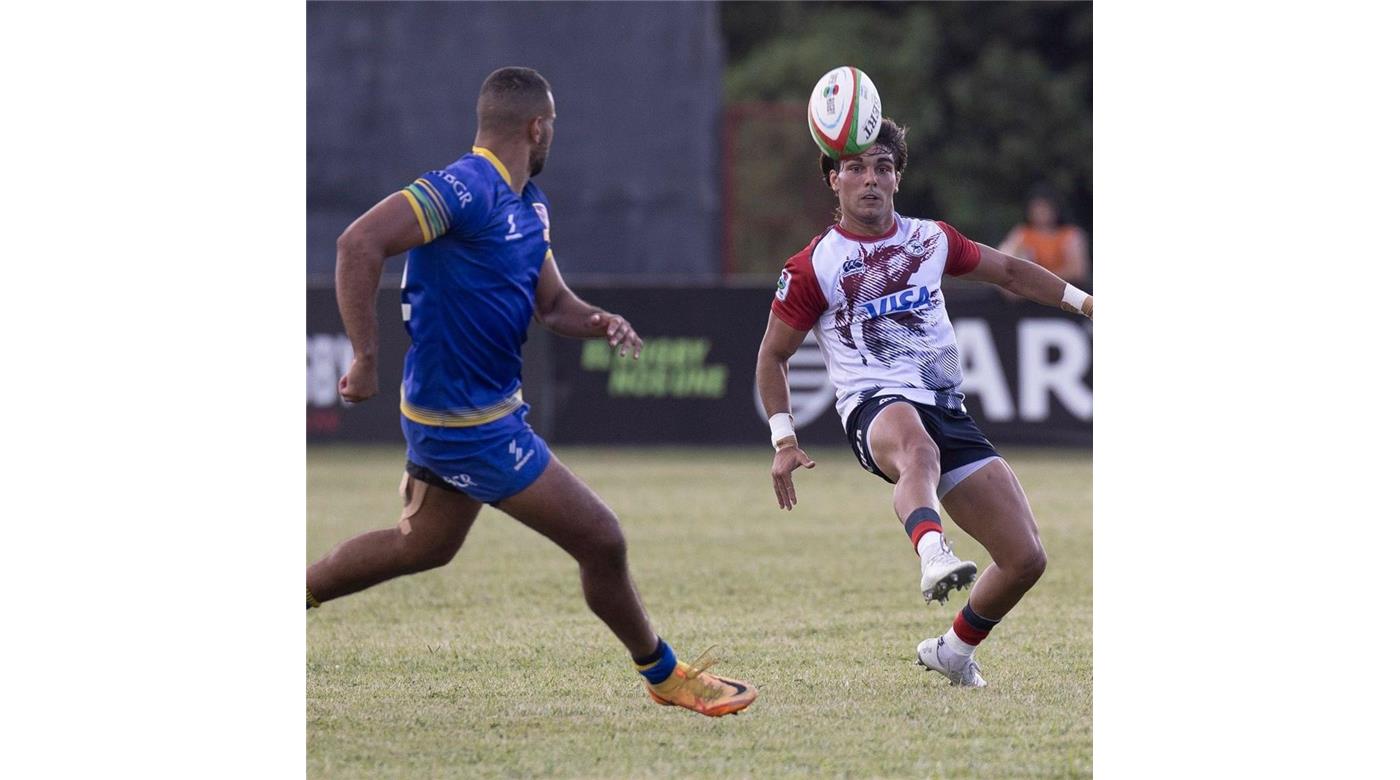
(479, 267)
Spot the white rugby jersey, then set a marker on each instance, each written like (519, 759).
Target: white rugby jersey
(877, 306)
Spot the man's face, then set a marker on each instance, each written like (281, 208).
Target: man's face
(865, 184)
(1042, 213)
(542, 132)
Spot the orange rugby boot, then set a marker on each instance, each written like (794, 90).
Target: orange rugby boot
(696, 689)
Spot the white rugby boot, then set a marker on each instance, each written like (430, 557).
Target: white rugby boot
(944, 572)
(935, 656)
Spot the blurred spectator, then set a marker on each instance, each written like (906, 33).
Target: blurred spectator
(1047, 240)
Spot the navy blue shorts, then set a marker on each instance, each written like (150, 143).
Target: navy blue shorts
(490, 462)
(962, 447)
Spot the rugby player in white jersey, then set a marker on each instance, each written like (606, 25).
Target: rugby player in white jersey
(870, 286)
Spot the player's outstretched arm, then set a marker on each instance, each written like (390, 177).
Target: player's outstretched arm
(1029, 280)
(780, 342)
(557, 308)
(382, 232)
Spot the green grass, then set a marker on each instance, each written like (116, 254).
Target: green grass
(493, 666)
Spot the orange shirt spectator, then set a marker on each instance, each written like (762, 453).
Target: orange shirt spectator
(1045, 241)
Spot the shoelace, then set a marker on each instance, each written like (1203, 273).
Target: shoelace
(703, 662)
(944, 555)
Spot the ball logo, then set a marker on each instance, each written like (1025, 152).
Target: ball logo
(843, 112)
(872, 122)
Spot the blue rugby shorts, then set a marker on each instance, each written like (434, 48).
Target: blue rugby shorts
(490, 462)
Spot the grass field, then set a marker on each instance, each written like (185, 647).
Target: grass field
(492, 666)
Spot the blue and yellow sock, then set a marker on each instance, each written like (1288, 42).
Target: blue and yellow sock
(311, 602)
(659, 665)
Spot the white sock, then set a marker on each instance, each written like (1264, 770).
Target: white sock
(929, 544)
(953, 642)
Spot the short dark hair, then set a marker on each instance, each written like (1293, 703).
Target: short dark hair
(509, 98)
(891, 135)
(1044, 191)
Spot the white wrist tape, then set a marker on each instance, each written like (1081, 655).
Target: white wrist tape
(1075, 298)
(781, 426)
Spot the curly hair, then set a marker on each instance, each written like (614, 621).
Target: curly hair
(891, 135)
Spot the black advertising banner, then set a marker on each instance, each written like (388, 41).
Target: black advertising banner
(693, 384)
(328, 354)
(1028, 373)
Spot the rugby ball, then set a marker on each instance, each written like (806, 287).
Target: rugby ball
(844, 112)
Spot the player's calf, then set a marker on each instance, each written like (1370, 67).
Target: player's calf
(430, 531)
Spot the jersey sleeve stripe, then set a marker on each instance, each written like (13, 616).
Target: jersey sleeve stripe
(433, 208)
(432, 219)
(437, 199)
(418, 212)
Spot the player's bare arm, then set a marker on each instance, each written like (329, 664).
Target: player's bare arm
(382, 232)
(564, 313)
(780, 343)
(1028, 280)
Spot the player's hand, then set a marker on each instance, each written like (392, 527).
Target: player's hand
(786, 461)
(361, 382)
(618, 332)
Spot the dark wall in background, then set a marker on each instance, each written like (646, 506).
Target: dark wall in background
(1028, 373)
(633, 175)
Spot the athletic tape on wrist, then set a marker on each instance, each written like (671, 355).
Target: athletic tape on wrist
(1074, 298)
(780, 425)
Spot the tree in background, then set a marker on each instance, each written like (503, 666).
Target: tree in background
(998, 98)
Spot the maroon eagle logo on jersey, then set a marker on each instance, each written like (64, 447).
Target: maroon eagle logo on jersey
(875, 290)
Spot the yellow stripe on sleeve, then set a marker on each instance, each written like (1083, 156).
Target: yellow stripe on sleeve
(418, 212)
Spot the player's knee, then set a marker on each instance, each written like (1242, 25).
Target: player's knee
(422, 551)
(607, 547)
(1029, 565)
(921, 460)
(613, 551)
(439, 556)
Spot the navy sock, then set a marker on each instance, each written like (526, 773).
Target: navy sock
(921, 521)
(971, 627)
(659, 665)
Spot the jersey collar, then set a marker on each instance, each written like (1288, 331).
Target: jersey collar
(867, 239)
(491, 157)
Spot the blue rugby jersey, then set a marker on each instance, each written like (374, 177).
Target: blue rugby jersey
(469, 291)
